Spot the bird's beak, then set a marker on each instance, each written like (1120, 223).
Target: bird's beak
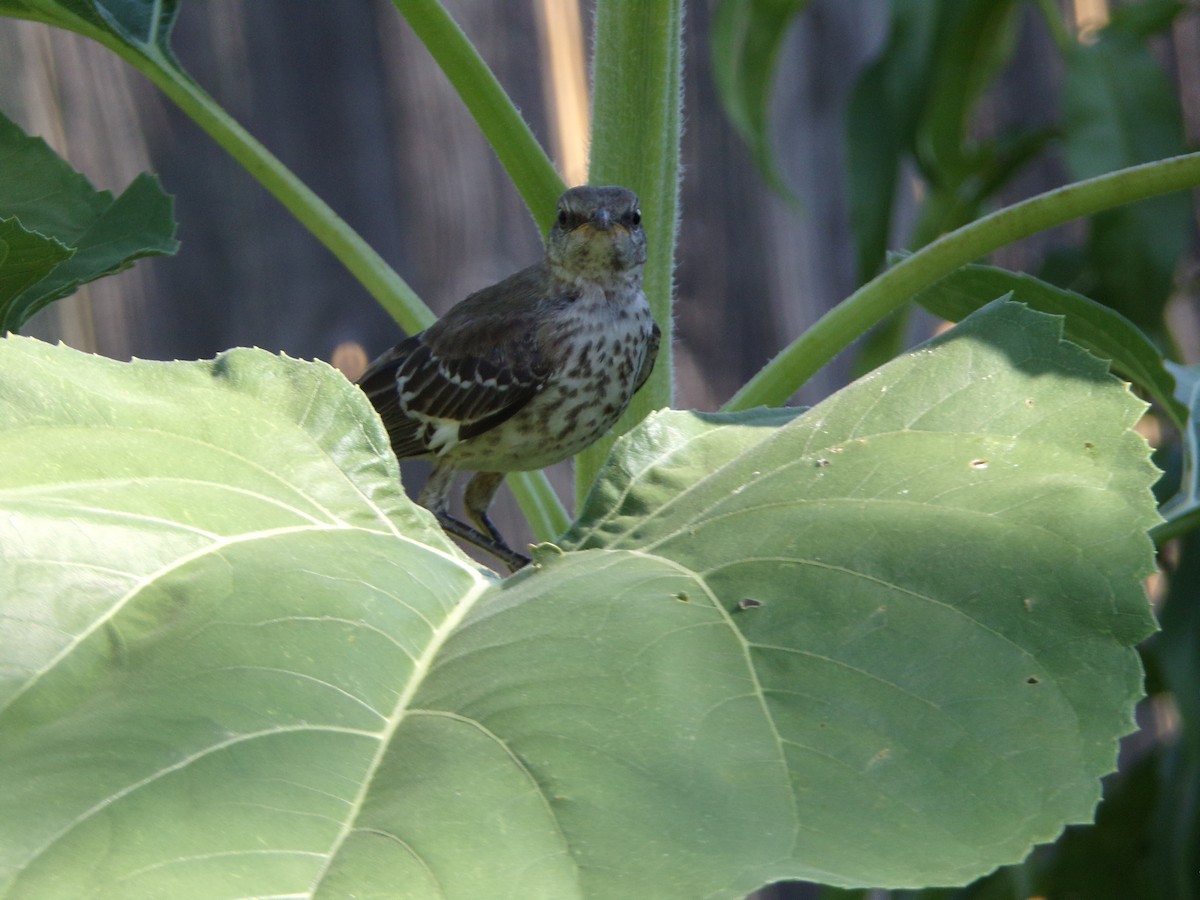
(602, 220)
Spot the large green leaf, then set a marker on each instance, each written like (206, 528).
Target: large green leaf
(60, 232)
(886, 641)
(936, 619)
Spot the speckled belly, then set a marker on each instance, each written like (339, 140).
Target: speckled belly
(589, 392)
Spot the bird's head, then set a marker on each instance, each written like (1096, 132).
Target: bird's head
(597, 236)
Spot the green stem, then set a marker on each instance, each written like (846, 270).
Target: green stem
(1179, 521)
(518, 150)
(637, 75)
(889, 291)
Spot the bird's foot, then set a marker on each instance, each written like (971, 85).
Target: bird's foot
(492, 543)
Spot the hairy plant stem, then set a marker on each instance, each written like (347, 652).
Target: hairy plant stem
(637, 74)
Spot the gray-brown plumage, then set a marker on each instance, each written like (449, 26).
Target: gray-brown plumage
(528, 371)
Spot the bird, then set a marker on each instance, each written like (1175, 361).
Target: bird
(528, 371)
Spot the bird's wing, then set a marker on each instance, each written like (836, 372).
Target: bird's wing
(648, 359)
(465, 375)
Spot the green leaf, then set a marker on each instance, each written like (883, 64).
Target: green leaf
(61, 232)
(26, 257)
(1119, 109)
(881, 120)
(967, 522)
(746, 40)
(1098, 328)
(210, 579)
(678, 448)
(917, 99)
(974, 40)
(885, 641)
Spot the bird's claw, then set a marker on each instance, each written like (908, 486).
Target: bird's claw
(493, 543)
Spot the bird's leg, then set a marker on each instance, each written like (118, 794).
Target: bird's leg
(435, 497)
(480, 492)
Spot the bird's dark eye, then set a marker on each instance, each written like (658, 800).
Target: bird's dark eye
(635, 217)
(562, 218)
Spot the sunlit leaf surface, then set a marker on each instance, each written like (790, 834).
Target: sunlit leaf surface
(883, 642)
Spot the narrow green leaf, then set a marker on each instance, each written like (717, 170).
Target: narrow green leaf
(746, 40)
(62, 230)
(974, 40)
(881, 120)
(1098, 328)
(1182, 512)
(918, 100)
(874, 145)
(1119, 109)
(1145, 19)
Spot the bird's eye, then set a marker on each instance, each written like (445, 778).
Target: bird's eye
(562, 218)
(636, 216)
